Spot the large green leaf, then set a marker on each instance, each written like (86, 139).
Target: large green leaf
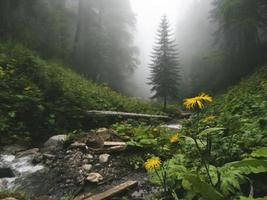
(249, 166)
(232, 174)
(209, 131)
(203, 188)
(260, 153)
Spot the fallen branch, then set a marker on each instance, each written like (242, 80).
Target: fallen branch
(124, 114)
(109, 193)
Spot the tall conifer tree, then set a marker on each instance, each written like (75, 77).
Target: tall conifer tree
(165, 75)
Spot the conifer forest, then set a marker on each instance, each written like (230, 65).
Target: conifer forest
(133, 99)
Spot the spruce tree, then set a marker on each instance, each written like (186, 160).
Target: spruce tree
(165, 75)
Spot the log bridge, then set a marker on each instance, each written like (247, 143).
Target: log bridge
(125, 114)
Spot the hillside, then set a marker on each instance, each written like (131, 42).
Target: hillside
(241, 110)
(40, 98)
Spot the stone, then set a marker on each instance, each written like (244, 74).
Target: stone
(98, 165)
(95, 142)
(54, 143)
(94, 177)
(69, 152)
(38, 158)
(33, 151)
(9, 198)
(13, 149)
(3, 184)
(78, 145)
(103, 158)
(89, 156)
(103, 132)
(48, 156)
(87, 167)
(47, 198)
(85, 161)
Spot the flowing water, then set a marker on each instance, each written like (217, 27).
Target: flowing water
(20, 167)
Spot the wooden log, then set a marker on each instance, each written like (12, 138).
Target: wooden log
(109, 149)
(125, 114)
(111, 143)
(113, 191)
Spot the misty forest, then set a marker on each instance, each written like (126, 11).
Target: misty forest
(133, 99)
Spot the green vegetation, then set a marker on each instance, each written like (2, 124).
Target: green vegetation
(219, 154)
(40, 98)
(16, 194)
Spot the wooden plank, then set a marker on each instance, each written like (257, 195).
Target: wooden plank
(113, 191)
(111, 143)
(108, 149)
(112, 113)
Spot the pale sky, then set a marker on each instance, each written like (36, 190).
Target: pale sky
(148, 15)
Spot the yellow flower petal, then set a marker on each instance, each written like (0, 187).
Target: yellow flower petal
(152, 163)
(197, 102)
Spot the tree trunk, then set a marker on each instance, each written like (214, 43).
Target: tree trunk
(165, 103)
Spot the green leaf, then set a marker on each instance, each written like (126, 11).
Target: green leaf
(260, 153)
(134, 144)
(232, 174)
(250, 198)
(203, 188)
(148, 142)
(210, 130)
(249, 166)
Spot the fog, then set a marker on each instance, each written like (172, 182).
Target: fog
(148, 14)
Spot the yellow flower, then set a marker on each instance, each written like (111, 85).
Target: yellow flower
(174, 138)
(209, 118)
(197, 102)
(152, 163)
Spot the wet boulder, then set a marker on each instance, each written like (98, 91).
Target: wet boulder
(55, 143)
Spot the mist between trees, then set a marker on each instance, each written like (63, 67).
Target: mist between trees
(220, 41)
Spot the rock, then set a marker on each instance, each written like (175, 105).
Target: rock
(87, 167)
(33, 151)
(38, 158)
(98, 165)
(69, 152)
(3, 184)
(48, 162)
(47, 198)
(103, 133)
(13, 149)
(9, 198)
(85, 161)
(103, 158)
(48, 156)
(95, 142)
(94, 177)
(54, 143)
(88, 156)
(78, 145)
